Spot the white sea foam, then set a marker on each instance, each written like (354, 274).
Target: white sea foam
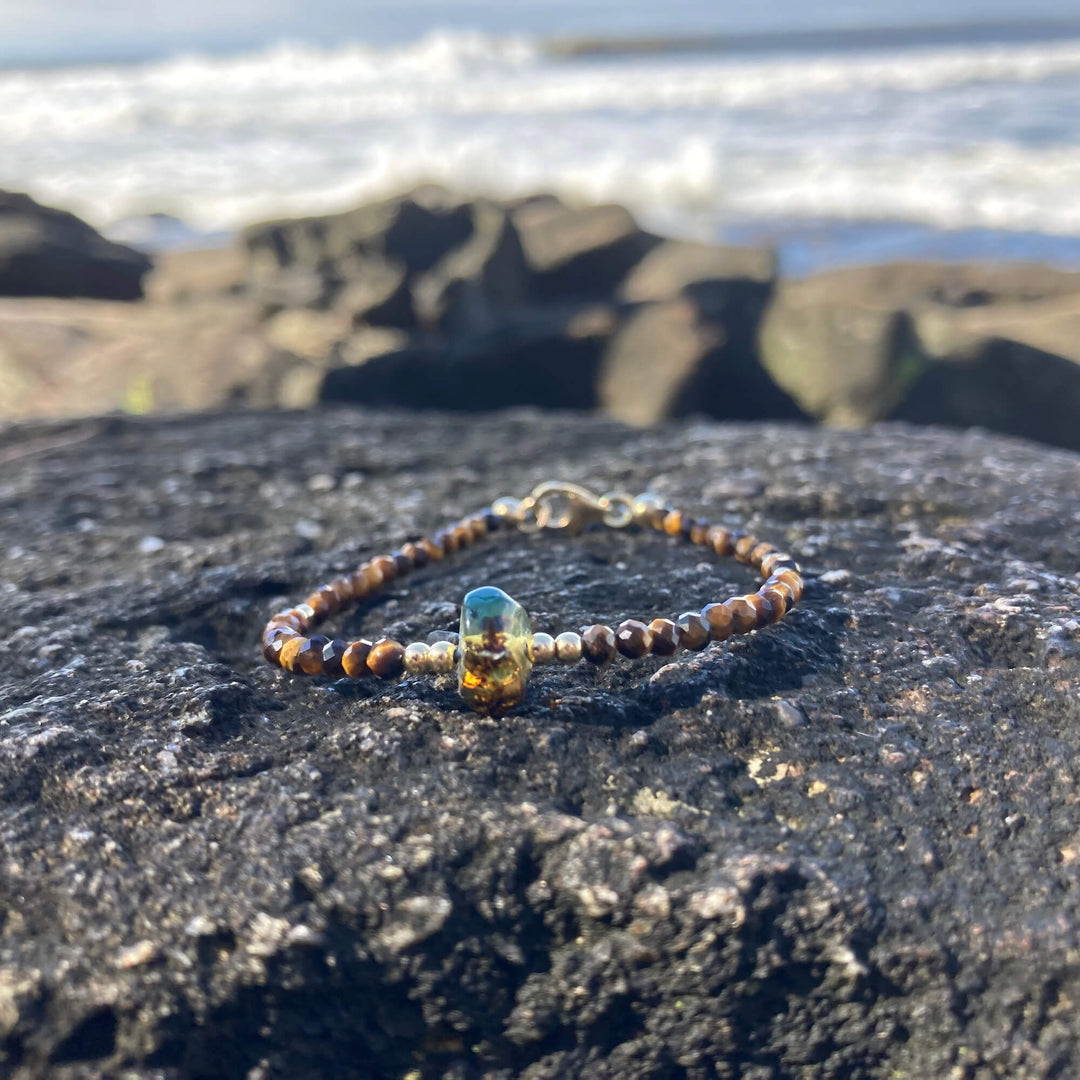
(955, 137)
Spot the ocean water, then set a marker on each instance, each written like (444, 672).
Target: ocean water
(948, 143)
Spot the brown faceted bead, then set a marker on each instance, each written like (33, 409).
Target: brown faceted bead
(785, 590)
(693, 631)
(433, 551)
(386, 566)
(418, 554)
(289, 651)
(309, 658)
(343, 589)
(762, 609)
(719, 539)
(759, 553)
(665, 637)
(285, 618)
(718, 618)
(598, 644)
(744, 545)
(673, 522)
(492, 522)
(478, 527)
(387, 658)
(274, 637)
(463, 534)
(743, 615)
(331, 598)
(699, 530)
(403, 563)
(367, 579)
(793, 580)
(777, 600)
(354, 659)
(332, 653)
(633, 638)
(446, 540)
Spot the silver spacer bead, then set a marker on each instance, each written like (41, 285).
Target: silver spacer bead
(543, 648)
(415, 659)
(440, 658)
(568, 647)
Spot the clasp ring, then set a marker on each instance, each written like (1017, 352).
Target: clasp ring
(556, 504)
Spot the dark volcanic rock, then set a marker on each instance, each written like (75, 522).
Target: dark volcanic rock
(846, 846)
(48, 252)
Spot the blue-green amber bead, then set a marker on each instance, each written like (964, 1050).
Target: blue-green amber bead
(495, 650)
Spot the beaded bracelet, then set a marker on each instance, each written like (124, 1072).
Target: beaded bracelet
(495, 648)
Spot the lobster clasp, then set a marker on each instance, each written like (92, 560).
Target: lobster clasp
(555, 504)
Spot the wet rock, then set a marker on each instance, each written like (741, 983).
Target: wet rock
(49, 252)
(846, 845)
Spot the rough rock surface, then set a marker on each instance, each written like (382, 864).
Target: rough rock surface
(49, 252)
(847, 846)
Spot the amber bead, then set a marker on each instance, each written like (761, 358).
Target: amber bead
(387, 658)
(777, 600)
(287, 655)
(743, 615)
(309, 658)
(792, 579)
(762, 609)
(693, 631)
(719, 539)
(332, 653)
(354, 660)
(665, 637)
(598, 644)
(633, 638)
(759, 552)
(343, 589)
(673, 521)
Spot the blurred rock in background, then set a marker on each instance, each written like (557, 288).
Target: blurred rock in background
(435, 300)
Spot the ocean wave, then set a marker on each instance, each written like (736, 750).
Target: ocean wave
(955, 137)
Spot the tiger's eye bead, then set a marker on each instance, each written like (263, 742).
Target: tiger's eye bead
(387, 567)
(309, 658)
(777, 600)
(463, 535)
(698, 531)
(306, 615)
(478, 527)
(493, 522)
(673, 521)
(415, 658)
(719, 539)
(287, 655)
(433, 551)
(343, 589)
(543, 648)
(633, 639)
(718, 617)
(792, 579)
(330, 598)
(743, 615)
(332, 653)
(598, 644)
(440, 657)
(693, 631)
(387, 658)
(762, 609)
(273, 640)
(744, 545)
(568, 647)
(759, 552)
(402, 563)
(416, 554)
(665, 637)
(444, 538)
(286, 619)
(354, 660)
(366, 579)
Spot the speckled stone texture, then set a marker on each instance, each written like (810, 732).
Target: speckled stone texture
(845, 846)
